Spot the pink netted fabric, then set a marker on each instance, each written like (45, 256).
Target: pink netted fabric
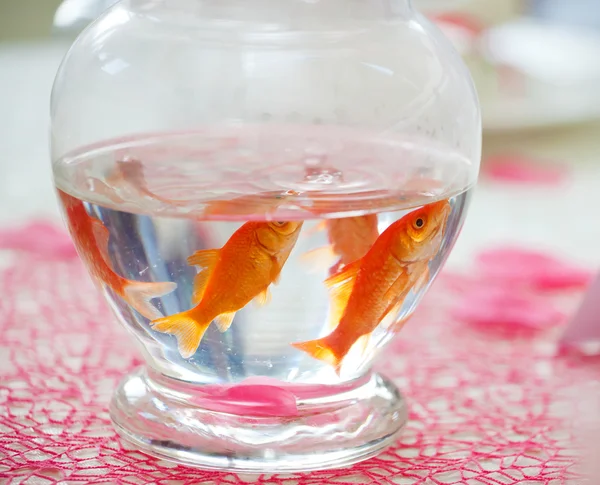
(490, 401)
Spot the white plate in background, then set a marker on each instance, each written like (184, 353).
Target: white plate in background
(560, 66)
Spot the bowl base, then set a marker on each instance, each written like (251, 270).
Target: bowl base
(162, 418)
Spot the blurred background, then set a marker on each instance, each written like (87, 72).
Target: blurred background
(536, 65)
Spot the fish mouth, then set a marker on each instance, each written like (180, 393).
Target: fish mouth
(442, 216)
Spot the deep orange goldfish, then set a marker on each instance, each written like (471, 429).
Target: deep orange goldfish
(91, 239)
(351, 238)
(365, 291)
(241, 271)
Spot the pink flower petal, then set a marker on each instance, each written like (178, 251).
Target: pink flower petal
(495, 305)
(520, 169)
(530, 268)
(253, 399)
(584, 327)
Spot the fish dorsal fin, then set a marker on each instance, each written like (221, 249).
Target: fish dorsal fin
(340, 287)
(223, 321)
(206, 260)
(101, 236)
(263, 298)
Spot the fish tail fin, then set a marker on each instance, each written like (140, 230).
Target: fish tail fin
(138, 295)
(186, 328)
(327, 349)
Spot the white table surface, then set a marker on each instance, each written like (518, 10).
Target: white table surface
(563, 220)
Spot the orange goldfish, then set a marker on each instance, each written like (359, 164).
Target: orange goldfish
(367, 290)
(351, 238)
(91, 239)
(241, 271)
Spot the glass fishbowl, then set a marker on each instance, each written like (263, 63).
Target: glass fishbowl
(263, 190)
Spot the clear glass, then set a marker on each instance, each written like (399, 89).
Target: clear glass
(263, 190)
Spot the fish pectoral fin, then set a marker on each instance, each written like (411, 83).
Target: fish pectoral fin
(186, 329)
(423, 278)
(223, 321)
(340, 287)
(206, 260)
(399, 288)
(393, 308)
(397, 326)
(319, 258)
(413, 278)
(339, 296)
(101, 235)
(348, 272)
(417, 279)
(263, 298)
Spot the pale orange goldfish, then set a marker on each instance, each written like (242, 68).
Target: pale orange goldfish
(350, 239)
(126, 174)
(131, 172)
(365, 291)
(251, 204)
(241, 271)
(91, 239)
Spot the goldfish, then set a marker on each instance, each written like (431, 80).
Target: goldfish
(370, 288)
(91, 239)
(126, 175)
(229, 278)
(350, 239)
(252, 204)
(131, 173)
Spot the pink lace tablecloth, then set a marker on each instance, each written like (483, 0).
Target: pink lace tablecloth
(489, 398)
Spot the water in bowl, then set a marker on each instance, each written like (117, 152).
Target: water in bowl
(161, 198)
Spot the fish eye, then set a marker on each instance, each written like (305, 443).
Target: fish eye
(419, 223)
(279, 223)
